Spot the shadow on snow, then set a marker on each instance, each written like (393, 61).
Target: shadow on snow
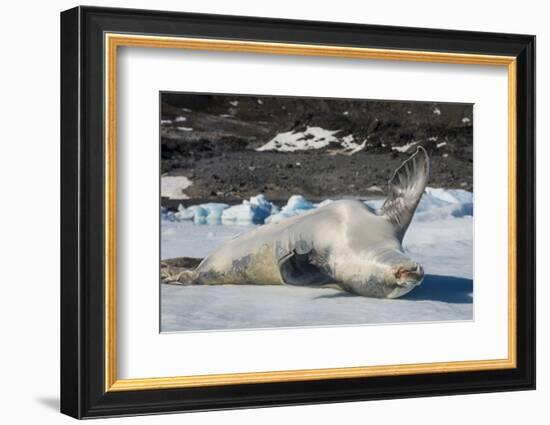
(449, 289)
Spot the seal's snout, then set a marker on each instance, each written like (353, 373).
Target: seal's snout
(407, 275)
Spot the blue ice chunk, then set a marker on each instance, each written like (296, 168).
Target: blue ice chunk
(255, 210)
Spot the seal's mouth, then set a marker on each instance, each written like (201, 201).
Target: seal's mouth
(409, 276)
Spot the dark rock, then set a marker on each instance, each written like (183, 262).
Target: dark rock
(219, 155)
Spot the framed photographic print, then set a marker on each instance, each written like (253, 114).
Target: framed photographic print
(261, 212)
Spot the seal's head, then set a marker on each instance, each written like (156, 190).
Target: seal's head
(402, 277)
(390, 275)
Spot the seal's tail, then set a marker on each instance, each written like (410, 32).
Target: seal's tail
(405, 190)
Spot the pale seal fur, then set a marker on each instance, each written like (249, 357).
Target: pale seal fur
(344, 244)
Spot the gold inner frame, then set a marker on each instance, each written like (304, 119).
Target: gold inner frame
(113, 41)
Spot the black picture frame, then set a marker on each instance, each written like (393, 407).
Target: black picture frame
(83, 392)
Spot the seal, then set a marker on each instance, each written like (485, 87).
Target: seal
(344, 244)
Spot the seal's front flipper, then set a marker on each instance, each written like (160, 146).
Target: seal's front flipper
(307, 269)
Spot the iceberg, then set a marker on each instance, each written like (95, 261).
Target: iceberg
(203, 213)
(214, 211)
(166, 214)
(295, 205)
(435, 204)
(323, 203)
(256, 210)
(453, 196)
(440, 204)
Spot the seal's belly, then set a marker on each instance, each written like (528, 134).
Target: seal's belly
(258, 268)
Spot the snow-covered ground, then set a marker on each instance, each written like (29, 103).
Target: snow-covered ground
(440, 237)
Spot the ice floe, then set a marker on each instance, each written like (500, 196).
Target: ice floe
(440, 238)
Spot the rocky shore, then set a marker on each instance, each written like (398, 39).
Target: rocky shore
(233, 147)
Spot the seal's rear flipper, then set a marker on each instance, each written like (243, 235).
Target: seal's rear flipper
(405, 190)
(304, 269)
(179, 271)
(183, 262)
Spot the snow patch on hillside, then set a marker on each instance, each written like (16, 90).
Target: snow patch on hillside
(311, 138)
(290, 141)
(405, 148)
(172, 187)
